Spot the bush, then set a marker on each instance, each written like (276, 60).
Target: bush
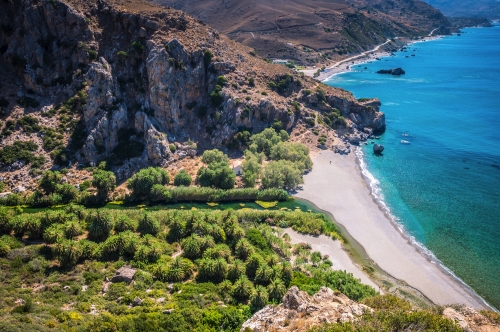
(143, 181)
(29, 124)
(182, 179)
(207, 57)
(172, 148)
(214, 156)
(92, 55)
(19, 150)
(216, 97)
(138, 47)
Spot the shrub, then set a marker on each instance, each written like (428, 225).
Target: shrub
(172, 148)
(92, 55)
(221, 81)
(207, 57)
(216, 97)
(138, 47)
(182, 179)
(143, 181)
(19, 150)
(29, 124)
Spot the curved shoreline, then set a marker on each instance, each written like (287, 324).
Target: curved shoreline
(341, 189)
(419, 247)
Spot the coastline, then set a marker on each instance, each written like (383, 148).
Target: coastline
(341, 189)
(346, 65)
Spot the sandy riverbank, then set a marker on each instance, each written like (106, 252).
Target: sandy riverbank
(337, 255)
(339, 188)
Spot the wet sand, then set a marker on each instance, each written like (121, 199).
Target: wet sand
(340, 189)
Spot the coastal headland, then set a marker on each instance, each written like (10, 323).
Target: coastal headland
(336, 185)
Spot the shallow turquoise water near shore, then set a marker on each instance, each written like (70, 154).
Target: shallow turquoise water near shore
(443, 186)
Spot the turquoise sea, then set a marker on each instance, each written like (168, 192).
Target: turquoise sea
(443, 185)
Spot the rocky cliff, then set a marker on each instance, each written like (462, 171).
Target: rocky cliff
(123, 81)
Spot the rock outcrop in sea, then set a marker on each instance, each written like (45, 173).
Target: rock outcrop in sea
(395, 72)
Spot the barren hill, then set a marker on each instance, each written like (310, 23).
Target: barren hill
(314, 31)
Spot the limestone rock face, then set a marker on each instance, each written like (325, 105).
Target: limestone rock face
(300, 309)
(43, 39)
(103, 115)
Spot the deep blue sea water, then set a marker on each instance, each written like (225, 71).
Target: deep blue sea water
(444, 186)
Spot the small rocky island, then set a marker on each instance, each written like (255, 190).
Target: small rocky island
(395, 72)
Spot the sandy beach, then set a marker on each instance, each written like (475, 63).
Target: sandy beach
(345, 65)
(340, 189)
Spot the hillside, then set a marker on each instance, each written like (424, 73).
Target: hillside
(310, 32)
(468, 8)
(136, 84)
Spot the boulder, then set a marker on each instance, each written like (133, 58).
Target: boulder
(395, 72)
(124, 274)
(378, 148)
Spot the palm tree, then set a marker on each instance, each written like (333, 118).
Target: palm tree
(99, 225)
(243, 248)
(236, 270)
(124, 223)
(259, 297)
(253, 263)
(110, 249)
(72, 229)
(177, 229)
(148, 225)
(272, 260)
(174, 274)
(242, 289)
(192, 246)
(220, 269)
(225, 288)
(276, 290)
(286, 272)
(67, 252)
(206, 268)
(53, 234)
(263, 275)
(129, 242)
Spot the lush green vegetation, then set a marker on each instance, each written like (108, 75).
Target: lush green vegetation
(182, 178)
(287, 160)
(217, 174)
(226, 265)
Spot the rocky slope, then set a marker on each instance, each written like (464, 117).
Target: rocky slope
(123, 81)
(311, 32)
(301, 312)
